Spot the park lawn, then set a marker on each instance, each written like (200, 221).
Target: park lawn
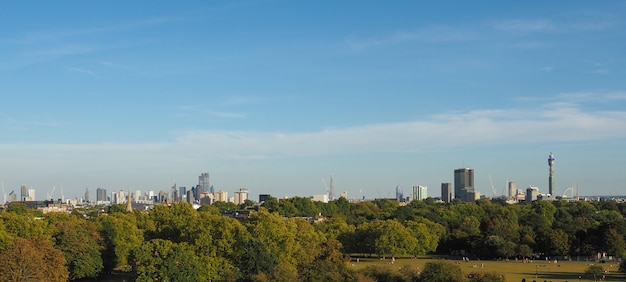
(512, 270)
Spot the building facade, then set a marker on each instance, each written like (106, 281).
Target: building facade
(446, 192)
(420, 192)
(463, 183)
(203, 182)
(241, 196)
(101, 195)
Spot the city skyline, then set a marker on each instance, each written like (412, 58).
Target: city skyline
(274, 96)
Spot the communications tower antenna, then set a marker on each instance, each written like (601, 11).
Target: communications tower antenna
(551, 176)
(4, 195)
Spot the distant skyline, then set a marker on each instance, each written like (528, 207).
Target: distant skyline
(274, 96)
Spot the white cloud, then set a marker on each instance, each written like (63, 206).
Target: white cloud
(435, 34)
(557, 122)
(80, 70)
(525, 26)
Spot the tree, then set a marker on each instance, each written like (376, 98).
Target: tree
(614, 243)
(34, 259)
(173, 222)
(441, 272)
(5, 237)
(163, 260)
(427, 234)
(486, 277)
(271, 204)
(26, 226)
(81, 245)
(595, 271)
(622, 266)
(255, 260)
(121, 235)
(225, 206)
(558, 243)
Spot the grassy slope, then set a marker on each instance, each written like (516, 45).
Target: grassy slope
(512, 270)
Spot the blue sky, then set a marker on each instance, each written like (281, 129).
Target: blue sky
(276, 95)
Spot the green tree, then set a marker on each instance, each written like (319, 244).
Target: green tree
(279, 238)
(441, 272)
(121, 235)
(486, 277)
(173, 222)
(32, 260)
(18, 208)
(595, 271)
(225, 206)
(164, 260)
(614, 243)
(427, 233)
(558, 243)
(5, 237)
(622, 267)
(26, 226)
(81, 245)
(271, 204)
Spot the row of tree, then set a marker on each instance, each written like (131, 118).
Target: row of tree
(278, 241)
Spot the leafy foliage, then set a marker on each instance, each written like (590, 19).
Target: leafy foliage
(163, 260)
(32, 259)
(441, 272)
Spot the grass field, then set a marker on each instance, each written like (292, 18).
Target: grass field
(512, 270)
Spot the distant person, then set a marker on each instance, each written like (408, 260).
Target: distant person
(523, 279)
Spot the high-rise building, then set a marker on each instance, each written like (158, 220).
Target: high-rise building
(86, 195)
(531, 194)
(24, 193)
(472, 196)
(31, 194)
(221, 196)
(419, 192)
(101, 195)
(463, 183)
(512, 189)
(182, 191)
(263, 197)
(241, 196)
(446, 192)
(551, 176)
(203, 182)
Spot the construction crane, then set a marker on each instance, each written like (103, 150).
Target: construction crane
(51, 193)
(493, 189)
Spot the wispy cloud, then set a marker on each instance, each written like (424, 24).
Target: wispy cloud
(436, 34)
(241, 101)
(36, 37)
(602, 96)
(201, 112)
(524, 25)
(81, 70)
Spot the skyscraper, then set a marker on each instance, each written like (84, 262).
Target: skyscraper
(512, 189)
(419, 192)
(463, 183)
(203, 182)
(446, 192)
(241, 196)
(24, 193)
(101, 195)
